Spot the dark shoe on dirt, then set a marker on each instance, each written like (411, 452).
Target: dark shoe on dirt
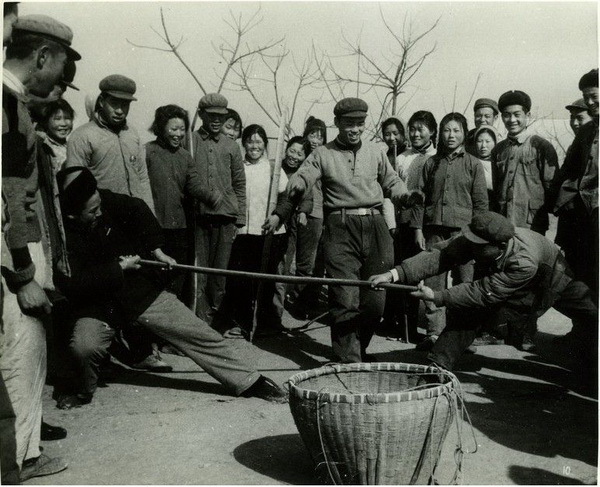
(487, 339)
(41, 466)
(265, 388)
(153, 363)
(72, 401)
(426, 344)
(52, 433)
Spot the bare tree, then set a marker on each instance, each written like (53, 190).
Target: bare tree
(386, 76)
(232, 52)
(263, 78)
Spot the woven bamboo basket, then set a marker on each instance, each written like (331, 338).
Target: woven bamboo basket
(373, 423)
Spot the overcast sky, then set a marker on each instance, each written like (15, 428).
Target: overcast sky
(542, 48)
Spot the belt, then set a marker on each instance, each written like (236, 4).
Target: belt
(356, 211)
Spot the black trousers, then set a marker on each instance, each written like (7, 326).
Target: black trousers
(356, 247)
(575, 301)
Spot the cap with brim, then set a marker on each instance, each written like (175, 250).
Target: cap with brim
(48, 28)
(214, 103)
(486, 102)
(351, 108)
(120, 94)
(469, 235)
(118, 86)
(578, 105)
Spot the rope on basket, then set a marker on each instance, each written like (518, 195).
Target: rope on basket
(326, 460)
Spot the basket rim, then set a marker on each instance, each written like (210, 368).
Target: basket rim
(382, 397)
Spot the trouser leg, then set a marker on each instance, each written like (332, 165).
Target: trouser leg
(306, 254)
(379, 256)
(203, 237)
(435, 316)
(171, 320)
(89, 345)
(8, 441)
(270, 308)
(220, 244)
(343, 260)
(176, 246)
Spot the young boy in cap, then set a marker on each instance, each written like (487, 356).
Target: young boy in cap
(355, 176)
(106, 235)
(108, 146)
(219, 169)
(576, 188)
(527, 275)
(485, 112)
(35, 60)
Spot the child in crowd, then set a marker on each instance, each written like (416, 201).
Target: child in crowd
(453, 182)
(248, 247)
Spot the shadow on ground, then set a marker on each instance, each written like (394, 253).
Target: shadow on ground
(529, 476)
(282, 458)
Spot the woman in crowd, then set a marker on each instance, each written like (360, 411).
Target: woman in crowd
(306, 302)
(453, 182)
(247, 250)
(168, 169)
(301, 245)
(422, 132)
(485, 138)
(394, 136)
(232, 127)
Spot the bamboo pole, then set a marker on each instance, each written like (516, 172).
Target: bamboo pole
(277, 278)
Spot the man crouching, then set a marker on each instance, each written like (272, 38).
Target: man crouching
(107, 234)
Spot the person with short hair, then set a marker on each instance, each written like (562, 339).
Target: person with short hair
(218, 170)
(579, 115)
(233, 126)
(453, 182)
(108, 146)
(576, 190)
(107, 234)
(35, 61)
(527, 274)
(170, 168)
(485, 113)
(248, 248)
(485, 139)
(524, 167)
(356, 175)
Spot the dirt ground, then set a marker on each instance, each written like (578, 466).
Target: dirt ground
(534, 421)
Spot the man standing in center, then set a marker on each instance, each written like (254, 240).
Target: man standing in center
(220, 167)
(355, 176)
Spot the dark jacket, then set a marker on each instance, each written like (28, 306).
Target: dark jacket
(523, 168)
(98, 287)
(529, 277)
(578, 176)
(455, 190)
(19, 187)
(219, 168)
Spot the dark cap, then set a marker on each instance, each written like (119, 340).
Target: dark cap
(69, 75)
(118, 86)
(48, 28)
(515, 97)
(489, 227)
(74, 192)
(577, 105)
(486, 102)
(213, 103)
(589, 80)
(351, 107)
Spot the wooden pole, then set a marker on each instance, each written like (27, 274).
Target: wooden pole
(278, 278)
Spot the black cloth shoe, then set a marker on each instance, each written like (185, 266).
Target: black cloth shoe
(41, 466)
(266, 389)
(71, 401)
(426, 344)
(52, 433)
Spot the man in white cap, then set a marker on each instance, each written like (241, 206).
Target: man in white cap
(35, 59)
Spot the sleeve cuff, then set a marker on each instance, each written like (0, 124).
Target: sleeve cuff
(395, 276)
(438, 298)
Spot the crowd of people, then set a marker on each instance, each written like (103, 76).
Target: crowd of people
(462, 213)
